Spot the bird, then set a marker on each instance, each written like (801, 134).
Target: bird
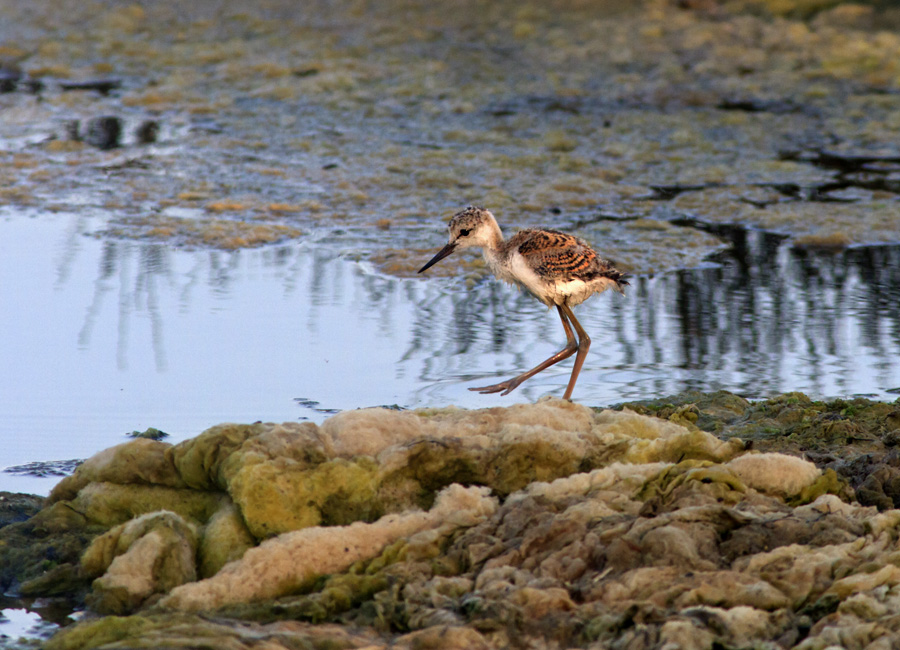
(557, 268)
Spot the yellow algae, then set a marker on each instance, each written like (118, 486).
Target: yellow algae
(155, 98)
(12, 52)
(108, 504)
(559, 141)
(284, 207)
(192, 196)
(523, 29)
(64, 146)
(224, 539)
(272, 172)
(24, 161)
(270, 70)
(285, 563)
(225, 205)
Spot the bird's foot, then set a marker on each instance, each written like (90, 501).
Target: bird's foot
(507, 387)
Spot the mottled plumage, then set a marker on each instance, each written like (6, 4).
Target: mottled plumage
(556, 268)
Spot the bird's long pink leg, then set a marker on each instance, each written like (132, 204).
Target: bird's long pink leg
(571, 347)
(584, 344)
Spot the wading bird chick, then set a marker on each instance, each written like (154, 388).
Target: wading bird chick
(556, 268)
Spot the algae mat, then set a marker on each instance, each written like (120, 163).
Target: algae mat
(538, 525)
(225, 125)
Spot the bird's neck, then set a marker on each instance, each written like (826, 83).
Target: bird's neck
(494, 239)
(495, 253)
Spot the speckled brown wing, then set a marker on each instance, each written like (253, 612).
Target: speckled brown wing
(559, 256)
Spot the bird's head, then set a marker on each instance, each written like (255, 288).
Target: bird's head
(473, 227)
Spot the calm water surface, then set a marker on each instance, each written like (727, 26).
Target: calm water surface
(103, 337)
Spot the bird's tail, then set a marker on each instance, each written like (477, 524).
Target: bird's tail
(619, 280)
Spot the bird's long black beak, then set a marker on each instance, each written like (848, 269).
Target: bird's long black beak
(444, 252)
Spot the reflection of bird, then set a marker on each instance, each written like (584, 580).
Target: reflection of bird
(556, 268)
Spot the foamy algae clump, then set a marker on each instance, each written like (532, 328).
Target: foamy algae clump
(281, 565)
(540, 524)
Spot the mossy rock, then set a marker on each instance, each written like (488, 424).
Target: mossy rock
(713, 410)
(141, 462)
(149, 555)
(225, 538)
(790, 423)
(178, 630)
(101, 631)
(199, 460)
(109, 504)
(41, 555)
(15, 508)
(277, 497)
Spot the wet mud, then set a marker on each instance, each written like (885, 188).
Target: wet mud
(282, 121)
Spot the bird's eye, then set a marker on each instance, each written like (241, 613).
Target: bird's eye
(464, 232)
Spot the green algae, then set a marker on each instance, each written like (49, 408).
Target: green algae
(92, 634)
(714, 481)
(787, 423)
(275, 498)
(551, 560)
(330, 597)
(828, 483)
(433, 464)
(109, 504)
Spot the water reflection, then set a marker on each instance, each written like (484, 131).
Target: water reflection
(780, 319)
(828, 320)
(764, 318)
(113, 336)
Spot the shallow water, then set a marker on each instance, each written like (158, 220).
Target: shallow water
(110, 336)
(29, 620)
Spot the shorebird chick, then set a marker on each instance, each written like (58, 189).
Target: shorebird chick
(556, 268)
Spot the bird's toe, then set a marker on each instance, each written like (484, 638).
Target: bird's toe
(486, 390)
(504, 388)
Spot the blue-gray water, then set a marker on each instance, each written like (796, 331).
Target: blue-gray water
(103, 337)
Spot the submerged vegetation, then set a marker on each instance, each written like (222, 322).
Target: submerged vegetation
(231, 127)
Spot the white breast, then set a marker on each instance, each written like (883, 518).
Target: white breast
(522, 274)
